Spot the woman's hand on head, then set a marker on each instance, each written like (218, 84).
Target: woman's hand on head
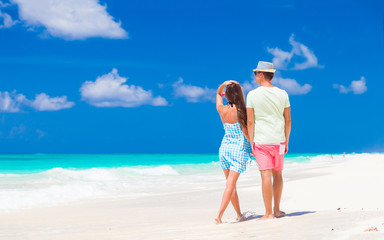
(230, 82)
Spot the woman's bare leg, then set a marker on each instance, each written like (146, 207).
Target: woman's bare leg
(235, 198)
(228, 193)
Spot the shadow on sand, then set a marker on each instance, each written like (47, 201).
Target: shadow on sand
(252, 215)
(294, 214)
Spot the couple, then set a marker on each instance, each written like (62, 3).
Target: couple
(264, 124)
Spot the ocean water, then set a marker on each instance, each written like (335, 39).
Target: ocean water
(38, 180)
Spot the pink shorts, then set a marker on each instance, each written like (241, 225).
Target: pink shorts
(269, 156)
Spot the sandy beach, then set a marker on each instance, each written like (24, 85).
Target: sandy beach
(338, 199)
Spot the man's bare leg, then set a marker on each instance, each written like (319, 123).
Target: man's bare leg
(266, 186)
(277, 191)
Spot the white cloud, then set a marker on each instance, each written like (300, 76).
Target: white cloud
(11, 102)
(7, 20)
(4, 4)
(248, 86)
(301, 50)
(43, 102)
(291, 86)
(282, 59)
(193, 93)
(357, 87)
(70, 19)
(342, 89)
(109, 90)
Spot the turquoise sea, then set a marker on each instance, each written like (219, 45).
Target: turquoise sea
(34, 180)
(33, 163)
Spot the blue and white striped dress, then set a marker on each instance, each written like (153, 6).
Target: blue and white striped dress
(235, 150)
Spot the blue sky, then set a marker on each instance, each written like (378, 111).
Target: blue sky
(140, 76)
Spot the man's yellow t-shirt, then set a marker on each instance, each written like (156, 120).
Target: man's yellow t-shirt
(268, 104)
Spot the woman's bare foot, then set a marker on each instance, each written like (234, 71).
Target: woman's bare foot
(218, 220)
(241, 218)
(279, 214)
(266, 217)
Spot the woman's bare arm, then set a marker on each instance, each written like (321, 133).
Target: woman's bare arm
(245, 132)
(219, 98)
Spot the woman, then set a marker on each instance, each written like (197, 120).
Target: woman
(235, 148)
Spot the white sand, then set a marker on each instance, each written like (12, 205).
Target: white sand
(311, 197)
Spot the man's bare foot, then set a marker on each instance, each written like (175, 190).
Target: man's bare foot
(266, 217)
(279, 214)
(218, 220)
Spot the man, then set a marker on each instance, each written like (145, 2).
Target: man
(269, 127)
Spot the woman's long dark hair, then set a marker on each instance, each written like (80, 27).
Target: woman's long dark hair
(234, 94)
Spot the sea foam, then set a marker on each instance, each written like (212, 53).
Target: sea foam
(59, 185)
